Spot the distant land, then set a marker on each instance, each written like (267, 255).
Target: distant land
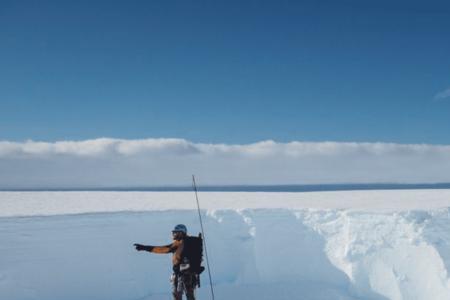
(294, 188)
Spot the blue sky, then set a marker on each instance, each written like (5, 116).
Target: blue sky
(225, 72)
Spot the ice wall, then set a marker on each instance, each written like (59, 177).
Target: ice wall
(254, 253)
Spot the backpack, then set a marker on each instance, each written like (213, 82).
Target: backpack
(193, 251)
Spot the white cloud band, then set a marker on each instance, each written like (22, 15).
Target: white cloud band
(147, 162)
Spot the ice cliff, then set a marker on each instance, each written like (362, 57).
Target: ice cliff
(288, 250)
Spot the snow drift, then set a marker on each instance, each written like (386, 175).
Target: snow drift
(340, 245)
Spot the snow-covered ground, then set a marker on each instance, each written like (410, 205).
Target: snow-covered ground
(319, 245)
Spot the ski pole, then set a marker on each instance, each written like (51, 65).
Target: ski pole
(194, 185)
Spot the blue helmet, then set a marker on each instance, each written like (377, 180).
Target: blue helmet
(180, 228)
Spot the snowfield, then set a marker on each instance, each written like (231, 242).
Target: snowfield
(315, 246)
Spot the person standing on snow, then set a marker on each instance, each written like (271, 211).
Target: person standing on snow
(185, 277)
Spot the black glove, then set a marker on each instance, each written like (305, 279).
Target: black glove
(140, 247)
(176, 269)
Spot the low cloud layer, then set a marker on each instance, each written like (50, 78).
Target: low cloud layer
(151, 162)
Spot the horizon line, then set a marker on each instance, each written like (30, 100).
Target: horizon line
(239, 187)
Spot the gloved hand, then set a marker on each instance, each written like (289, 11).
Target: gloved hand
(176, 269)
(140, 247)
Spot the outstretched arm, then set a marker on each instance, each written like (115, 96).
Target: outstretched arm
(140, 247)
(155, 249)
